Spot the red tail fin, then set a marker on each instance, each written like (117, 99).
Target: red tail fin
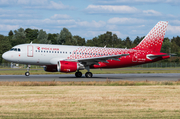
(154, 39)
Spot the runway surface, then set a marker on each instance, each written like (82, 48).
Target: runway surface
(96, 77)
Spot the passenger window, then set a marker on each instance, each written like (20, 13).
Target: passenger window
(44, 51)
(69, 52)
(60, 52)
(57, 51)
(52, 51)
(49, 51)
(66, 52)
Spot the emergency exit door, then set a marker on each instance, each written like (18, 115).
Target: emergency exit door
(30, 51)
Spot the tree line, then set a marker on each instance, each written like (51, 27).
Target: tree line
(108, 39)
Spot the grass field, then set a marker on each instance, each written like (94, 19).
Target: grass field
(95, 71)
(90, 102)
(120, 99)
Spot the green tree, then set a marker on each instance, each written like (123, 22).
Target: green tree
(10, 33)
(127, 42)
(80, 41)
(52, 38)
(43, 37)
(166, 45)
(118, 43)
(70, 40)
(174, 48)
(31, 34)
(61, 38)
(19, 37)
(89, 43)
(108, 39)
(5, 45)
(97, 42)
(176, 40)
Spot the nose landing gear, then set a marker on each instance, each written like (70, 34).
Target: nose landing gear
(28, 68)
(27, 73)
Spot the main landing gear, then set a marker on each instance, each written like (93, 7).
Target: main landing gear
(27, 73)
(78, 74)
(87, 74)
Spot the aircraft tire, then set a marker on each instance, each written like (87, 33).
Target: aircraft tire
(27, 74)
(88, 75)
(78, 74)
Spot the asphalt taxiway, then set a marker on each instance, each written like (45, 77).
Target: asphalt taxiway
(96, 77)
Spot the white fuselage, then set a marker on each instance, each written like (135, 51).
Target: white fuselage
(41, 54)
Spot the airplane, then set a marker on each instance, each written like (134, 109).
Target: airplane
(65, 58)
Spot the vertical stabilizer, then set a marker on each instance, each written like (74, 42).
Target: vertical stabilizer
(154, 39)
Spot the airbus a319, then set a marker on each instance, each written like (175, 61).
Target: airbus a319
(64, 58)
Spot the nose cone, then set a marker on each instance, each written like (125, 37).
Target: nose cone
(5, 56)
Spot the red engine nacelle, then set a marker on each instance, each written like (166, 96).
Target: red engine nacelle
(50, 68)
(67, 66)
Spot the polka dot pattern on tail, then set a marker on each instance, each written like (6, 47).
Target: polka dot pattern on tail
(154, 38)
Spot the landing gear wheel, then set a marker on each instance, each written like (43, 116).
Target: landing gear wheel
(88, 74)
(27, 73)
(78, 74)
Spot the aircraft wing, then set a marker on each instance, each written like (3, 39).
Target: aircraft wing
(95, 60)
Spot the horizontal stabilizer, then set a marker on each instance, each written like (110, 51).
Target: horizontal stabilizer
(154, 56)
(172, 55)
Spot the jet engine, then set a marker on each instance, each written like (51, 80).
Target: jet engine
(69, 66)
(50, 68)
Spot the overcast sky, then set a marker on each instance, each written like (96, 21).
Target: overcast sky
(90, 18)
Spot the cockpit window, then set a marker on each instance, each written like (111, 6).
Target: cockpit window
(11, 49)
(19, 49)
(15, 49)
